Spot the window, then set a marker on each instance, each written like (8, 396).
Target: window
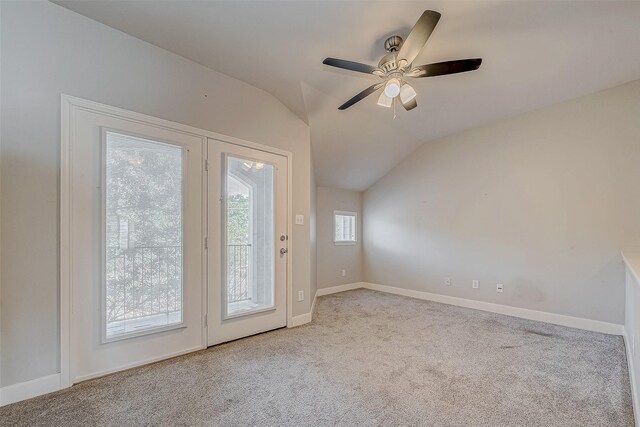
(250, 224)
(143, 235)
(344, 227)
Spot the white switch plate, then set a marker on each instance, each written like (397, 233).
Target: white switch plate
(344, 273)
(300, 295)
(475, 284)
(299, 219)
(500, 287)
(447, 281)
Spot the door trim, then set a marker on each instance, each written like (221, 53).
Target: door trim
(68, 107)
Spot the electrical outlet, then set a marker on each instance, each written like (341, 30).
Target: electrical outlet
(475, 284)
(299, 219)
(447, 281)
(500, 287)
(300, 295)
(344, 273)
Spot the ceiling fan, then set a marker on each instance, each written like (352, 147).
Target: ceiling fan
(397, 65)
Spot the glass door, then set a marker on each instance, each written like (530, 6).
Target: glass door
(247, 280)
(137, 243)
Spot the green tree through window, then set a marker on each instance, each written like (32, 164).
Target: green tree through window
(238, 226)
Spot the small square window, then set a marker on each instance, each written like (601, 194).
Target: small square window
(344, 227)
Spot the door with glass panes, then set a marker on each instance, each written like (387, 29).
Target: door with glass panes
(247, 254)
(136, 242)
(163, 256)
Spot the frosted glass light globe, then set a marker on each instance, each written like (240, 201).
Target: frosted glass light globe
(384, 100)
(407, 93)
(392, 89)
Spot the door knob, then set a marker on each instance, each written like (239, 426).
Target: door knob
(283, 251)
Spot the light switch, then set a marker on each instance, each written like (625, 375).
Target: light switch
(299, 219)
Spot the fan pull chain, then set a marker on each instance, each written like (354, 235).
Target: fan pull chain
(394, 107)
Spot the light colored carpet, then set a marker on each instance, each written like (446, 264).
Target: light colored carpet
(368, 359)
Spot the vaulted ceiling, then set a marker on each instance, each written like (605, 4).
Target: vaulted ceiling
(534, 54)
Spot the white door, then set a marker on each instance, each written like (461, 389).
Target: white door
(136, 241)
(247, 257)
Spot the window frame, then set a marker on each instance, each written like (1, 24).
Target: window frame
(104, 338)
(355, 231)
(225, 174)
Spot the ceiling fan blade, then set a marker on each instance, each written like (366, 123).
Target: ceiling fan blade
(443, 68)
(362, 95)
(418, 36)
(409, 105)
(350, 65)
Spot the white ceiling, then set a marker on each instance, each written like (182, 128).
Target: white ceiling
(534, 54)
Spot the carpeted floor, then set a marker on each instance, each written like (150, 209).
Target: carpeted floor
(367, 359)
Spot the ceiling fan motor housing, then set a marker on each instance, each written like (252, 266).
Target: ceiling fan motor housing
(393, 43)
(389, 64)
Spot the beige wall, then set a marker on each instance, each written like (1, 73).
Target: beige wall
(542, 203)
(48, 50)
(332, 259)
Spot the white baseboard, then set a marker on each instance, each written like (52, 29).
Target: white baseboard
(28, 389)
(524, 313)
(340, 288)
(50, 383)
(333, 290)
(632, 379)
(300, 320)
(137, 364)
(313, 304)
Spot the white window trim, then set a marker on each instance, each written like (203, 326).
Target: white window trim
(345, 242)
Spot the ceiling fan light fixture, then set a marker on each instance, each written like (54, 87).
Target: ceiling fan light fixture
(398, 64)
(384, 100)
(407, 93)
(392, 88)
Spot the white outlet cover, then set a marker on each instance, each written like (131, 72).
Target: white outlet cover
(447, 281)
(475, 284)
(300, 295)
(299, 219)
(499, 287)
(344, 273)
